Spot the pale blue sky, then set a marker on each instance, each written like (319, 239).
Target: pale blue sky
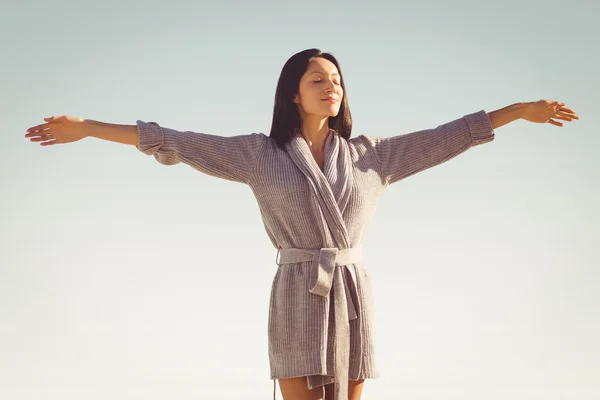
(122, 278)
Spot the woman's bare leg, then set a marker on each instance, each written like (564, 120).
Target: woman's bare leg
(297, 389)
(354, 390)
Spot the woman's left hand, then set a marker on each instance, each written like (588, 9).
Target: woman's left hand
(544, 110)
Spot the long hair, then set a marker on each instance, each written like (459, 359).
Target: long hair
(286, 117)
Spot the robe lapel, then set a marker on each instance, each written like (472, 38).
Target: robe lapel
(338, 169)
(332, 188)
(332, 185)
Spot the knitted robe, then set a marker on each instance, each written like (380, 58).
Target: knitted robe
(320, 322)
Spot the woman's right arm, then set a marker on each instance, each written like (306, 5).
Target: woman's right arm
(126, 134)
(227, 157)
(68, 129)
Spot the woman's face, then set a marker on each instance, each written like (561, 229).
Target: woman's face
(320, 82)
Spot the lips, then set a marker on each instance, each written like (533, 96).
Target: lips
(330, 99)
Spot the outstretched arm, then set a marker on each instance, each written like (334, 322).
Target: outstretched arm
(228, 157)
(69, 128)
(404, 155)
(232, 158)
(126, 134)
(507, 114)
(542, 111)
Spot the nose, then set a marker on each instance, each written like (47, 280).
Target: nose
(330, 87)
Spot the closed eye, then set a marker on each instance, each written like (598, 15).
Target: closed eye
(322, 81)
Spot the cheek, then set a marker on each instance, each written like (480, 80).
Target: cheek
(310, 98)
(310, 92)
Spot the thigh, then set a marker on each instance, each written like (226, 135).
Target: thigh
(297, 389)
(354, 390)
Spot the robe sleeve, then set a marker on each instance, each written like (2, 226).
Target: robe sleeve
(405, 155)
(228, 157)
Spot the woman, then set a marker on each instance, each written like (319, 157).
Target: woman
(317, 189)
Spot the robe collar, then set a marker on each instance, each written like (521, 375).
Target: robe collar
(332, 186)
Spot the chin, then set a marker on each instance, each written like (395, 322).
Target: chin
(333, 111)
(329, 112)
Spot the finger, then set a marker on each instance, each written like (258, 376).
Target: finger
(568, 115)
(41, 138)
(567, 112)
(48, 143)
(39, 134)
(564, 118)
(555, 123)
(38, 127)
(38, 131)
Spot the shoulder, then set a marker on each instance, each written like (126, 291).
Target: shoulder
(362, 141)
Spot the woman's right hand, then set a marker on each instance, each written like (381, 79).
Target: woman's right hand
(63, 129)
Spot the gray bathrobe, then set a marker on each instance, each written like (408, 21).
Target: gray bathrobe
(321, 306)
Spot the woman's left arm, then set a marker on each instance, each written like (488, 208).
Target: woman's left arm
(401, 156)
(541, 111)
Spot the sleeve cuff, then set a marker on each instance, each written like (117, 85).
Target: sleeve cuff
(480, 127)
(150, 135)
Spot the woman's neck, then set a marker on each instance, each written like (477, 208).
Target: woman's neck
(315, 131)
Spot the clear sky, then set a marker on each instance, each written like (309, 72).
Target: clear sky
(122, 278)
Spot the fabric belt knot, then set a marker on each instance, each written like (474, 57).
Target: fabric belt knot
(322, 278)
(324, 261)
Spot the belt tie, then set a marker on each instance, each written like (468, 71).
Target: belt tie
(322, 278)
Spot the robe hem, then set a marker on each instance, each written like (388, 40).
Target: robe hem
(363, 376)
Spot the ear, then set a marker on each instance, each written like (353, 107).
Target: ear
(296, 99)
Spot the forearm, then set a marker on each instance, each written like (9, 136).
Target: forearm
(507, 114)
(126, 134)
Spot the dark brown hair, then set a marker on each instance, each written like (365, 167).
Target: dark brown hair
(285, 112)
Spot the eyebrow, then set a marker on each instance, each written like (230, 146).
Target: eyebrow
(322, 73)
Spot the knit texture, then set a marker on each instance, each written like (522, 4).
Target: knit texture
(305, 207)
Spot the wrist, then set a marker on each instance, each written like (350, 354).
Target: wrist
(508, 114)
(522, 109)
(126, 134)
(91, 127)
